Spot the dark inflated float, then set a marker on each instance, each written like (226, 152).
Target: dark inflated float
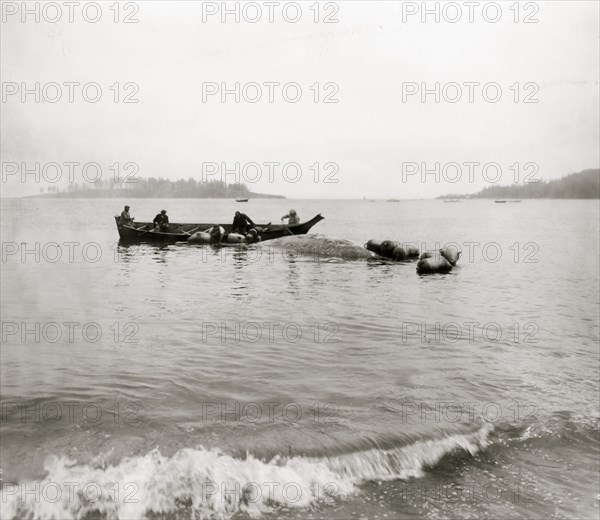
(430, 262)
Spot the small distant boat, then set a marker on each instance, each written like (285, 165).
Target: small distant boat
(500, 201)
(513, 201)
(241, 200)
(393, 200)
(451, 200)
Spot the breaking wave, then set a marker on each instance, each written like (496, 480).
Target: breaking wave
(201, 483)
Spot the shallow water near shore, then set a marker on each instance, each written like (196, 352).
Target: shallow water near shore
(187, 381)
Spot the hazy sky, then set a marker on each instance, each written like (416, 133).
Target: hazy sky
(368, 58)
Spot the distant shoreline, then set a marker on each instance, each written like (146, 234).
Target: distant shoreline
(153, 188)
(582, 185)
(88, 194)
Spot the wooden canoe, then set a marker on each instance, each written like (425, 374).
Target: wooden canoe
(142, 231)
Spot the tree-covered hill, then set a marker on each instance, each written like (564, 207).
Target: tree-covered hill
(154, 188)
(582, 185)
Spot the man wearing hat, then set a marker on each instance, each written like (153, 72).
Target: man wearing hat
(126, 217)
(162, 221)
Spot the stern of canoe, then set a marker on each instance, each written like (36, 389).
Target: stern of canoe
(281, 230)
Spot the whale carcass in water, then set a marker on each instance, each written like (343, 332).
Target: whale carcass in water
(320, 246)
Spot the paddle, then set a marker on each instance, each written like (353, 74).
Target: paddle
(192, 230)
(137, 229)
(287, 229)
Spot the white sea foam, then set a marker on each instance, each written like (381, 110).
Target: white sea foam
(217, 485)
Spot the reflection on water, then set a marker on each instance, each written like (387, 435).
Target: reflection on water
(293, 277)
(126, 252)
(240, 284)
(240, 258)
(161, 254)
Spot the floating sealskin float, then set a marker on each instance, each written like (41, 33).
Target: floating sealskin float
(393, 250)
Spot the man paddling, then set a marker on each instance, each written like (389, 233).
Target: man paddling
(162, 221)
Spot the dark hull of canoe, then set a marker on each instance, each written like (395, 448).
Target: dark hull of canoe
(181, 232)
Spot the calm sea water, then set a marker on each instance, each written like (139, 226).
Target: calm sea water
(190, 382)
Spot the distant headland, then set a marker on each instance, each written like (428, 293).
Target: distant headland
(154, 188)
(582, 185)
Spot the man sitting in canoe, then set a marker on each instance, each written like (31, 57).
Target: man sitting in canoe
(293, 218)
(241, 221)
(126, 217)
(162, 221)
